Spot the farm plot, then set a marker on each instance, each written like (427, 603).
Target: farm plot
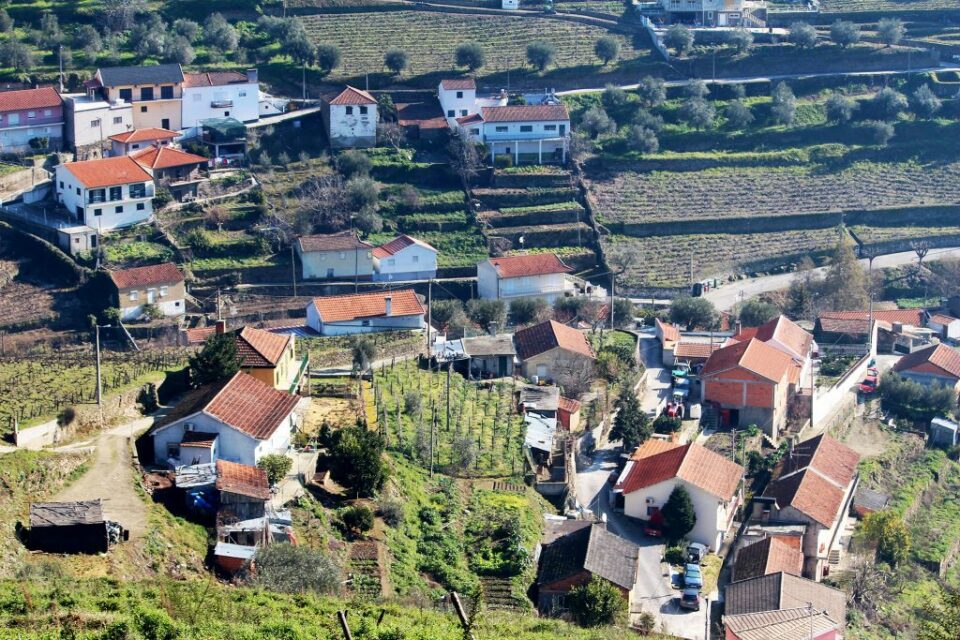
(661, 196)
(430, 39)
(879, 235)
(36, 388)
(480, 435)
(665, 261)
(851, 6)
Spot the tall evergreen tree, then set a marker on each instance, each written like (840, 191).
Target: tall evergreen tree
(216, 361)
(631, 424)
(845, 284)
(679, 517)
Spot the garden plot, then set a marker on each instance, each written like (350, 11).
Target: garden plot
(877, 235)
(661, 196)
(665, 261)
(430, 39)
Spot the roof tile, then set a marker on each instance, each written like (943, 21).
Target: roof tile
(23, 99)
(352, 95)
(368, 305)
(549, 335)
(242, 479)
(525, 113)
(165, 157)
(692, 463)
(533, 264)
(457, 84)
(213, 78)
(752, 355)
(145, 135)
(107, 172)
(259, 348)
(250, 406)
(769, 555)
(340, 241)
(398, 244)
(945, 358)
(163, 273)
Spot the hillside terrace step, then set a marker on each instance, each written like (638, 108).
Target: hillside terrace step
(547, 236)
(499, 198)
(567, 215)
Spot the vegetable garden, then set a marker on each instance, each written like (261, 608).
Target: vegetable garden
(476, 428)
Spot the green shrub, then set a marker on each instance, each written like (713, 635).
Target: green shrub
(276, 465)
(357, 519)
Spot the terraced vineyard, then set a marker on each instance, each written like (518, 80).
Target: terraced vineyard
(870, 235)
(849, 6)
(430, 39)
(664, 261)
(630, 196)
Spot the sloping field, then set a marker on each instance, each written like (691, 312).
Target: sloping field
(848, 6)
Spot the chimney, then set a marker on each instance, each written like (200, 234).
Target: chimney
(388, 303)
(738, 327)
(221, 326)
(252, 75)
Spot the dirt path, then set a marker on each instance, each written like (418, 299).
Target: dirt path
(111, 479)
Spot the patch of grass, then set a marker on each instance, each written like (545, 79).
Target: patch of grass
(137, 252)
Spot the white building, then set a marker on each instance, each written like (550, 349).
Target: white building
(526, 133)
(90, 121)
(712, 481)
(128, 142)
(335, 255)
(538, 275)
(31, 119)
(947, 327)
(160, 285)
(717, 13)
(404, 258)
(458, 98)
(510, 5)
(240, 420)
(366, 313)
(106, 193)
(219, 94)
(351, 119)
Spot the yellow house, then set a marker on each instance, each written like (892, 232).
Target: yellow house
(154, 91)
(270, 358)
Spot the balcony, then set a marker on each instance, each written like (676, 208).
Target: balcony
(221, 104)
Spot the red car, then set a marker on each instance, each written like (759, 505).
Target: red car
(869, 385)
(654, 526)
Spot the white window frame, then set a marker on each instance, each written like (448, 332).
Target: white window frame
(134, 296)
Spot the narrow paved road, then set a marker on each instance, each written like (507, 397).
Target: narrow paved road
(728, 295)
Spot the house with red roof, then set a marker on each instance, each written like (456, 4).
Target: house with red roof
(535, 275)
(946, 326)
(814, 486)
(713, 482)
(458, 99)
(937, 364)
(366, 313)
(404, 258)
(154, 91)
(335, 255)
(31, 119)
(219, 94)
(138, 139)
(240, 419)
(177, 170)
(106, 193)
(534, 133)
(350, 118)
(160, 285)
(550, 349)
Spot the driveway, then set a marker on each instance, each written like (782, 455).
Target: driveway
(652, 591)
(658, 378)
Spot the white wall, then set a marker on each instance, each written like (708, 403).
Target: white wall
(463, 105)
(197, 103)
(174, 307)
(86, 119)
(18, 138)
(349, 126)
(372, 325)
(345, 264)
(546, 286)
(535, 130)
(109, 218)
(711, 513)
(415, 261)
(234, 445)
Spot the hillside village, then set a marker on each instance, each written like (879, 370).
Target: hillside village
(480, 319)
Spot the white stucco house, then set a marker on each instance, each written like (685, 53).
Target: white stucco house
(160, 285)
(713, 482)
(366, 313)
(527, 133)
(458, 98)
(946, 326)
(134, 140)
(240, 420)
(106, 193)
(91, 120)
(219, 94)
(538, 275)
(335, 255)
(404, 258)
(351, 119)
(717, 13)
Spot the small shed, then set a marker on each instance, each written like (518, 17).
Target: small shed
(233, 558)
(568, 414)
(490, 356)
(68, 527)
(225, 137)
(542, 400)
(943, 433)
(867, 501)
(244, 491)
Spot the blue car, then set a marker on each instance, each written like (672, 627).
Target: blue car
(692, 578)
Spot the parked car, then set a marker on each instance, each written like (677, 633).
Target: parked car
(696, 552)
(681, 370)
(690, 599)
(692, 577)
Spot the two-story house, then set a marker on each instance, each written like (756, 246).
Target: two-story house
(133, 140)
(936, 365)
(219, 94)
(717, 13)
(530, 133)
(549, 349)
(175, 169)
(106, 193)
(712, 481)
(404, 258)
(351, 119)
(91, 121)
(158, 284)
(335, 255)
(31, 119)
(538, 275)
(154, 91)
(458, 98)
(270, 357)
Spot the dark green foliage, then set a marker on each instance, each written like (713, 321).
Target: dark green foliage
(845, 33)
(642, 140)
(617, 103)
(364, 353)
(220, 34)
(679, 517)
(925, 102)
(470, 55)
(528, 310)
(679, 38)
(914, 401)
(631, 424)
(887, 531)
(651, 91)
(155, 625)
(840, 108)
(607, 49)
(596, 603)
(647, 120)
(941, 617)
(696, 89)
(738, 115)
(327, 57)
(540, 54)
(666, 424)
(217, 360)
(357, 460)
(295, 569)
(449, 315)
(755, 312)
(803, 35)
(496, 544)
(396, 60)
(698, 113)
(357, 518)
(877, 132)
(353, 162)
(784, 105)
(889, 103)
(891, 31)
(361, 193)
(392, 512)
(487, 313)
(692, 313)
(675, 555)
(276, 465)
(740, 39)
(595, 122)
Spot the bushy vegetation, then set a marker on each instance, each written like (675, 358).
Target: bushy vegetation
(916, 402)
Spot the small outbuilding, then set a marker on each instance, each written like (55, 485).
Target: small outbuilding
(244, 491)
(71, 527)
(944, 433)
(490, 356)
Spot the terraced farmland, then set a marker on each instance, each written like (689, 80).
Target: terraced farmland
(850, 6)
(871, 235)
(630, 196)
(665, 261)
(430, 39)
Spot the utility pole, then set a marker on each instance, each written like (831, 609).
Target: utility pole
(219, 314)
(449, 367)
(613, 285)
(810, 611)
(96, 331)
(429, 314)
(304, 81)
(433, 431)
(293, 269)
(60, 60)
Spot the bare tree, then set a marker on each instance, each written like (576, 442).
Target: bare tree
(465, 157)
(216, 215)
(391, 133)
(921, 248)
(322, 204)
(573, 374)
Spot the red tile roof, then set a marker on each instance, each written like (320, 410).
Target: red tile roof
(398, 244)
(568, 404)
(242, 479)
(154, 274)
(341, 241)
(198, 439)
(548, 335)
(769, 555)
(457, 84)
(473, 118)
(25, 99)
(145, 135)
(695, 349)
(199, 335)
(525, 113)
(533, 264)
(695, 465)
(251, 406)
(166, 157)
(753, 355)
(351, 95)
(652, 447)
(787, 333)
(368, 305)
(942, 318)
(107, 172)
(213, 78)
(259, 348)
(945, 358)
(833, 459)
(670, 332)
(912, 317)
